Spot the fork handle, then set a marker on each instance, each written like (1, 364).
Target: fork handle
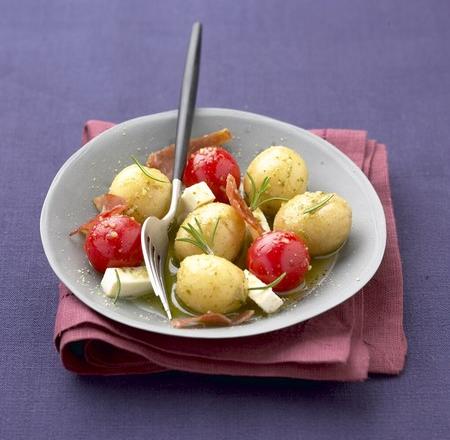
(187, 101)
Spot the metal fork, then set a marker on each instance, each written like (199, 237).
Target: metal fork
(154, 233)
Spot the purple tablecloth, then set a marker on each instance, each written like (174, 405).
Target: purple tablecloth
(382, 66)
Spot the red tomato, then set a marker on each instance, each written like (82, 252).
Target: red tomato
(274, 253)
(212, 165)
(114, 242)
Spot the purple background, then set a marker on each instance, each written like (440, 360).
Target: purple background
(383, 66)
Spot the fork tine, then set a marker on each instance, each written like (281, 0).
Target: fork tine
(150, 267)
(145, 253)
(156, 264)
(165, 303)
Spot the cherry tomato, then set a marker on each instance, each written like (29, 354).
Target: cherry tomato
(114, 242)
(274, 253)
(212, 165)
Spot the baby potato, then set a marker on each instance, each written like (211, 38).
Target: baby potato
(144, 196)
(287, 172)
(209, 283)
(228, 237)
(324, 229)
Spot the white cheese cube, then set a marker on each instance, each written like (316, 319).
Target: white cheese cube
(265, 298)
(192, 198)
(134, 282)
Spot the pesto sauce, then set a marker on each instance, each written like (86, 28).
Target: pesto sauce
(320, 268)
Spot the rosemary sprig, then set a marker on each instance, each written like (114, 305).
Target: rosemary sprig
(255, 197)
(213, 235)
(317, 206)
(141, 167)
(198, 238)
(274, 283)
(119, 287)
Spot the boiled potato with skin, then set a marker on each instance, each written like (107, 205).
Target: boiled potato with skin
(144, 196)
(323, 230)
(228, 237)
(206, 283)
(287, 172)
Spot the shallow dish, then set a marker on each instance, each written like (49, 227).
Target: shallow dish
(89, 172)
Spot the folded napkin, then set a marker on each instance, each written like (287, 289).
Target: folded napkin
(361, 336)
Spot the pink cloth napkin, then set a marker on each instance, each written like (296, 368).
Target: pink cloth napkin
(361, 336)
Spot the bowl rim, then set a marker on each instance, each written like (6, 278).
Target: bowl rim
(203, 333)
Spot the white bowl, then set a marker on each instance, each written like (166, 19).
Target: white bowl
(90, 170)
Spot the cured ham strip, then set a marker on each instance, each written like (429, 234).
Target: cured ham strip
(238, 203)
(208, 319)
(242, 317)
(211, 319)
(163, 159)
(86, 227)
(106, 202)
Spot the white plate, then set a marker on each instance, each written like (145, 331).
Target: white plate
(91, 169)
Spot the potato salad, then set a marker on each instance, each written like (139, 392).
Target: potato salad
(245, 243)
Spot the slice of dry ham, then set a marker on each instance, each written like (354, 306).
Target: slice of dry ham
(242, 317)
(106, 202)
(238, 203)
(211, 319)
(163, 159)
(86, 227)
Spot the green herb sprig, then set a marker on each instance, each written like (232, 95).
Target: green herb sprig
(198, 237)
(274, 283)
(141, 167)
(256, 193)
(317, 206)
